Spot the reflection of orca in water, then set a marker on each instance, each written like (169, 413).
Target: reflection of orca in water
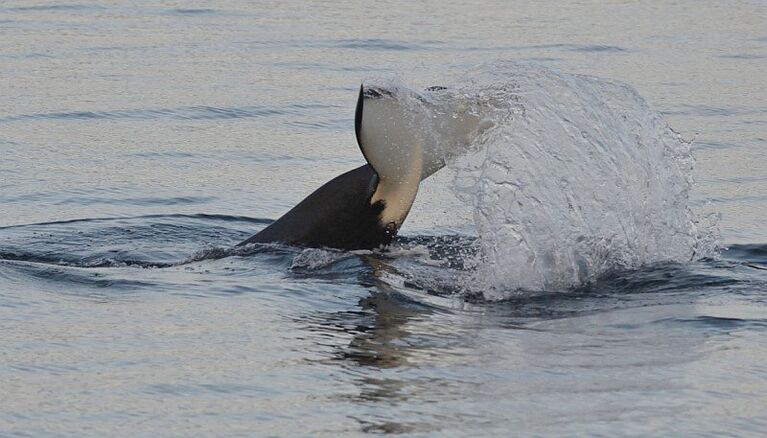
(364, 208)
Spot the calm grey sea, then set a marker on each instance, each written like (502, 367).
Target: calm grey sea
(139, 140)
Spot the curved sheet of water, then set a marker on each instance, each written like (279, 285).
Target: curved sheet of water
(578, 176)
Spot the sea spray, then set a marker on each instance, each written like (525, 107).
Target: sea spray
(579, 177)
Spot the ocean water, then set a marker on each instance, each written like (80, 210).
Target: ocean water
(595, 264)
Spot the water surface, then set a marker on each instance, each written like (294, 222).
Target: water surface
(139, 143)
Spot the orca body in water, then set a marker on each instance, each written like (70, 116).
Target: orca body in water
(365, 208)
(340, 214)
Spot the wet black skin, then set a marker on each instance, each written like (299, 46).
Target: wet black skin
(337, 215)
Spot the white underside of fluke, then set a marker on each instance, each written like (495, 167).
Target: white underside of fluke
(407, 136)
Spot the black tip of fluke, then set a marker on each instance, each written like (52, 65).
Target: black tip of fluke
(358, 116)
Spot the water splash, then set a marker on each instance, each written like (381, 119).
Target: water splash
(311, 259)
(580, 177)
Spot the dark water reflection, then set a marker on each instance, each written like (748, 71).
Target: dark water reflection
(602, 350)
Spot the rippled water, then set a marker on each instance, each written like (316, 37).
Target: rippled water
(140, 142)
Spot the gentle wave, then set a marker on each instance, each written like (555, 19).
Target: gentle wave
(142, 201)
(58, 7)
(62, 274)
(60, 260)
(202, 216)
(70, 198)
(192, 11)
(598, 48)
(201, 112)
(748, 253)
(712, 111)
(745, 56)
(353, 44)
(722, 323)
(382, 45)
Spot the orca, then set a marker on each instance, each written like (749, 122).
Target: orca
(404, 136)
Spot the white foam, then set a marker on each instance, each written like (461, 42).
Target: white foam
(311, 259)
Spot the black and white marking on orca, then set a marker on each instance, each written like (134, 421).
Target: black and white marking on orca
(364, 208)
